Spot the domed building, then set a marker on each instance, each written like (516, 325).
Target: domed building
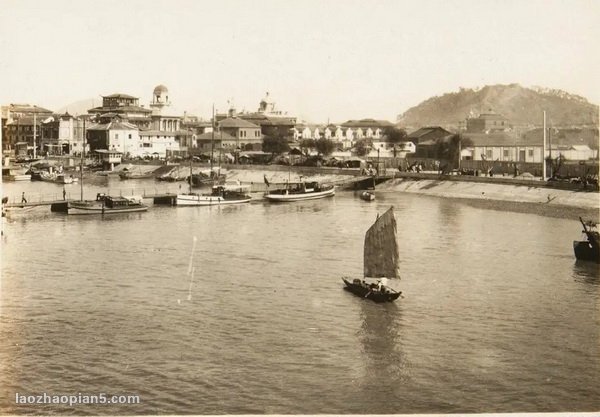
(160, 96)
(164, 116)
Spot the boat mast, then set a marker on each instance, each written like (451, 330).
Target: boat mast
(212, 142)
(191, 175)
(34, 131)
(82, 153)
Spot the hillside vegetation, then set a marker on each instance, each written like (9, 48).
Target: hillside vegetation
(521, 105)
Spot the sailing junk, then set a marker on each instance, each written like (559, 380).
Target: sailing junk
(381, 258)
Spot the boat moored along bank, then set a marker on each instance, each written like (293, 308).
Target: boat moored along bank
(300, 191)
(105, 204)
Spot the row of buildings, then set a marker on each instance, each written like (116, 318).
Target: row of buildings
(121, 126)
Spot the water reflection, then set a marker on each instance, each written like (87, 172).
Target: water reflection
(586, 272)
(386, 367)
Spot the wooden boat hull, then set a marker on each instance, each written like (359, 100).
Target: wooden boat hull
(95, 207)
(285, 198)
(585, 251)
(206, 200)
(369, 293)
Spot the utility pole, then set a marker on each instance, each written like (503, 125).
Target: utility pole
(544, 151)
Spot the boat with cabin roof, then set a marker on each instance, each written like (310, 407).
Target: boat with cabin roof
(300, 191)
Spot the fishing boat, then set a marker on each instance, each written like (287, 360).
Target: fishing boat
(367, 195)
(588, 250)
(300, 191)
(221, 194)
(105, 204)
(381, 258)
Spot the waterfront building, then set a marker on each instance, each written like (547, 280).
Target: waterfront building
(571, 144)
(425, 140)
(156, 143)
(112, 133)
(21, 128)
(62, 135)
(214, 143)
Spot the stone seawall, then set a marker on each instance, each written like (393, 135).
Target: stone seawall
(491, 191)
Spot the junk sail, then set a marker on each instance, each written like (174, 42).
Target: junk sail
(381, 254)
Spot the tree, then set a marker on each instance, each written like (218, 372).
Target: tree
(275, 145)
(395, 135)
(363, 146)
(325, 146)
(306, 145)
(448, 148)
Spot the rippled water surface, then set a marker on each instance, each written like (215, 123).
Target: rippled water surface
(497, 315)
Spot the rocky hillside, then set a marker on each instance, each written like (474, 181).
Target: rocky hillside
(522, 106)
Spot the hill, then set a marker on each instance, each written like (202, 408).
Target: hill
(80, 107)
(521, 105)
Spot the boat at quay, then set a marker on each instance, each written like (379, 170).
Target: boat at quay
(105, 204)
(220, 195)
(300, 191)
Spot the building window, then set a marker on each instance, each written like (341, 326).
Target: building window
(130, 136)
(116, 136)
(506, 153)
(531, 152)
(488, 153)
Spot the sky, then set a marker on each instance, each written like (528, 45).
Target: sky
(322, 60)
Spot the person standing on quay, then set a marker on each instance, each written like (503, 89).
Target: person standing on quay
(64, 193)
(23, 199)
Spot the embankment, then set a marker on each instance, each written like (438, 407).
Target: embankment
(490, 191)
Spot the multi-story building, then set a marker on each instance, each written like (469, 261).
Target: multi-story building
(127, 107)
(487, 123)
(248, 135)
(112, 133)
(21, 128)
(63, 135)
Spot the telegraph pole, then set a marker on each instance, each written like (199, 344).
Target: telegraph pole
(544, 151)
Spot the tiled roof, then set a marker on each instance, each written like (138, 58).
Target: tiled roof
(234, 122)
(424, 131)
(368, 123)
(113, 126)
(217, 136)
(119, 109)
(119, 95)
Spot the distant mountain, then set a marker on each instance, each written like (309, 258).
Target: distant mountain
(520, 105)
(80, 107)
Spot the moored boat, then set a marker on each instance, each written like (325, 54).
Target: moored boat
(588, 250)
(381, 258)
(300, 191)
(107, 205)
(220, 195)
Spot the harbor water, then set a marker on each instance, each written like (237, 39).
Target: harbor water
(497, 315)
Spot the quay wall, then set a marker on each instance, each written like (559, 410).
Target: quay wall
(522, 192)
